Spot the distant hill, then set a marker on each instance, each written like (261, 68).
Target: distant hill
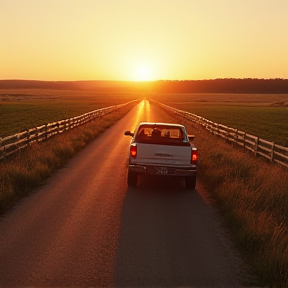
(248, 85)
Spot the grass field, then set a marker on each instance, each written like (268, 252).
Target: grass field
(23, 109)
(265, 115)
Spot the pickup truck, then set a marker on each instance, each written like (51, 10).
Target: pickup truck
(162, 149)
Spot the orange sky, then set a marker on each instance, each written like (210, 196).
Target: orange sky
(143, 39)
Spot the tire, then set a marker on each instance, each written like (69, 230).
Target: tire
(132, 178)
(190, 182)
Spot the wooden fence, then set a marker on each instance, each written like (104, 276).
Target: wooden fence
(16, 142)
(260, 147)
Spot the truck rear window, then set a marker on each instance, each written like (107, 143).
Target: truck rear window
(164, 135)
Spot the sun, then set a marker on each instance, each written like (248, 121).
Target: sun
(142, 73)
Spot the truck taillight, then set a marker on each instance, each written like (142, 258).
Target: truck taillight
(133, 151)
(194, 156)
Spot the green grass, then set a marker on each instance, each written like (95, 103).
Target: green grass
(265, 116)
(24, 109)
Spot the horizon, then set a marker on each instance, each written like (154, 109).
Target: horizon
(144, 40)
(141, 81)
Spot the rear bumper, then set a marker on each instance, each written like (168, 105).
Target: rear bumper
(163, 170)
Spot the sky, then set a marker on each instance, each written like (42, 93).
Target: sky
(139, 40)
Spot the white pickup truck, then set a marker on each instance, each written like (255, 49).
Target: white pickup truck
(162, 149)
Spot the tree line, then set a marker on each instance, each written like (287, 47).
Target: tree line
(225, 85)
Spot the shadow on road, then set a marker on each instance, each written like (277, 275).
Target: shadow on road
(169, 238)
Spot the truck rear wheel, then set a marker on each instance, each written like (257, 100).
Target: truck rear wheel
(132, 178)
(190, 182)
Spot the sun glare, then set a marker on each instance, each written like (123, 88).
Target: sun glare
(142, 73)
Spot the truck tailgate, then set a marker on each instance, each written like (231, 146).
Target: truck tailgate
(163, 154)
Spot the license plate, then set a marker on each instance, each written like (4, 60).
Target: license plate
(161, 170)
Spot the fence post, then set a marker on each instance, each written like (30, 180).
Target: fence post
(256, 146)
(272, 151)
(28, 137)
(68, 125)
(46, 131)
(17, 143)
(244, 141)
(236, 136)
(58, 128)
(37, 134)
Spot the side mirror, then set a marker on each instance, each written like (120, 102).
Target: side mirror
(128, 133)
(191, 137)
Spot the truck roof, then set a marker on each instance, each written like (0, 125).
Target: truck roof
(161, 124)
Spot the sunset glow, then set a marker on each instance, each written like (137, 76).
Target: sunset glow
(143, 40)
(143, 74)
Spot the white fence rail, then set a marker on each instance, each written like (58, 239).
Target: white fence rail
(260, 147)
(16, 142)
